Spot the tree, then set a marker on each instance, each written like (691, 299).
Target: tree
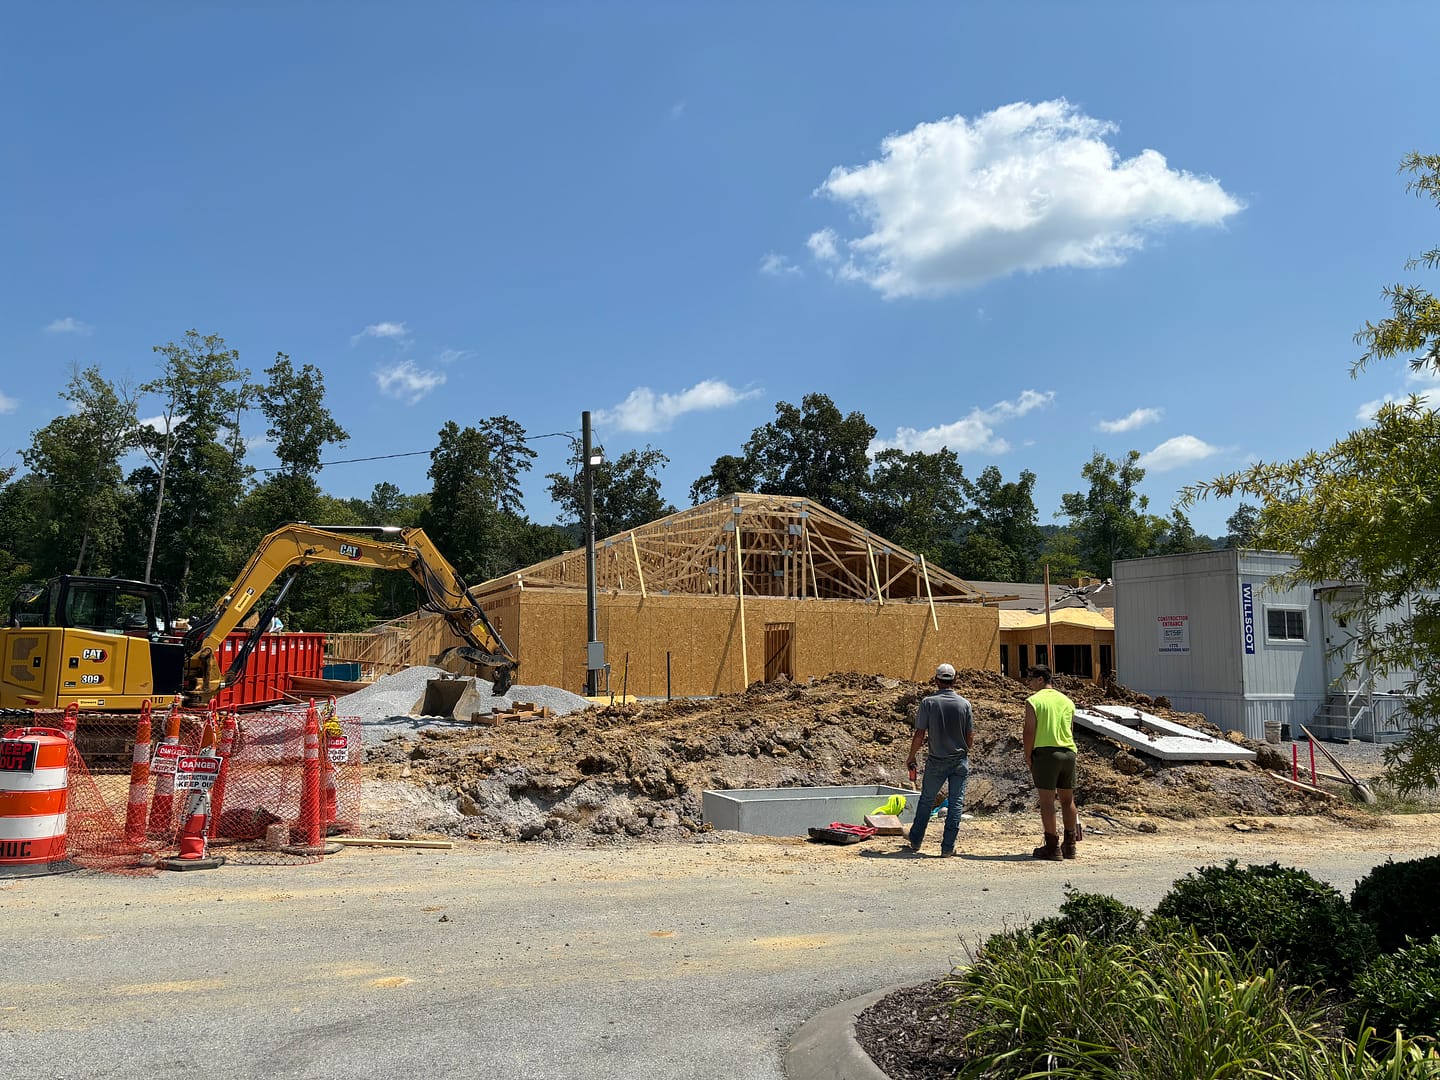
(1177, 537)
(300, 425)
(917, 500)
(1366, 510)
(1241, 525)
(810, 452)
(730, 474)
(1109, 520)
(509, 456)
(196, 453)
(1004, 528)
(462, 518)
(626, 491)
(77, 456)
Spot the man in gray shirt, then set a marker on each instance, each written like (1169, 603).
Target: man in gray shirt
(945, 720)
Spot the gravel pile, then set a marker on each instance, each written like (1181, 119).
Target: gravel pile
(384, 707)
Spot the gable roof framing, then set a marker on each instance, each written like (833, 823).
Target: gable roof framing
(763, 545)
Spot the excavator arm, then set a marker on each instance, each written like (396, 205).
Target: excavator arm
(299, 544)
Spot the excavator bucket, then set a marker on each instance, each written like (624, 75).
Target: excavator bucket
(454, 699)
(465, 660)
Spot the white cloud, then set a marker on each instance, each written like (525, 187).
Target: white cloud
(644, 410)
(1423, 384)
(392, 331)
(956, 202)
(971, 433)
(677, 110)
(452, 356)
(70, 325)
(777, 265)
(1177, 452)
(824, 245)
(1138, 418)
(8, 404)
(159, 423)
(406, 382)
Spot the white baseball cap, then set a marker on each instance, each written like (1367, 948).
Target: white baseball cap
(945, 673)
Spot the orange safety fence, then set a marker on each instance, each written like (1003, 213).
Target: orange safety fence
(128, 800)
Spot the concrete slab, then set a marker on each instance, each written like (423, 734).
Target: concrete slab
(1163, 739)
(794, 811)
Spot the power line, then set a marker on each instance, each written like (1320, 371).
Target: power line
(417, 453)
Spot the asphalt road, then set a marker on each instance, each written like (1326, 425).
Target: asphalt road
(518, 961)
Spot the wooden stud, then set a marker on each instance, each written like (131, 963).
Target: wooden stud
(740, 585)
(928, 595)
(639, 573)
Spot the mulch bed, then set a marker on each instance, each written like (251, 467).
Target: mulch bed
(913, 1034)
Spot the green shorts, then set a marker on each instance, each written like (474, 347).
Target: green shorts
(1053, 767)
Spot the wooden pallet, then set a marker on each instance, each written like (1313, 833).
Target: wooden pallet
(519, 710)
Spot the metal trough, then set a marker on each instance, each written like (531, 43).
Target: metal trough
(794, 811)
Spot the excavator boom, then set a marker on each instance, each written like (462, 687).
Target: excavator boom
(381, 548)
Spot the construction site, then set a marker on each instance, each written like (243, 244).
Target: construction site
(756, 645)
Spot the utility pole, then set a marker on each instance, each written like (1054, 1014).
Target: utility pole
(594, 650)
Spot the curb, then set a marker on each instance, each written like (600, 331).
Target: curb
(825, 1047)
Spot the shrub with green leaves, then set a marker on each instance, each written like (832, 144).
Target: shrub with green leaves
(1398, 900)
(1400, 990)
(1094, 916)
(1291, 920)
(1172, 1009)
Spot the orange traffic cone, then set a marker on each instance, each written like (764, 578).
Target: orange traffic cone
(162, 805)
(310, 827)
(137, 808)
(192, 854)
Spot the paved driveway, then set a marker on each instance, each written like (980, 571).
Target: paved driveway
(517, 961)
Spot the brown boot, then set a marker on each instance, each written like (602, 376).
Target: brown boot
(1051, 850)
(1067, 846)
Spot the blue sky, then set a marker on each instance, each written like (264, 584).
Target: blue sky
(1023, 231)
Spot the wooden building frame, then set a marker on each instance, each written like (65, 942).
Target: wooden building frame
(750, 545)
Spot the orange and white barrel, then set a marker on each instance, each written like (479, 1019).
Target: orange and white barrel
(34, 781)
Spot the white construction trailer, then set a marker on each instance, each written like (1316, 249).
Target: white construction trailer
(1212, 633)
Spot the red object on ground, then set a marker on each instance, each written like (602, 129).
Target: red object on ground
(1313, 781)
(1295, 762)
(137, 808)
(267, 672)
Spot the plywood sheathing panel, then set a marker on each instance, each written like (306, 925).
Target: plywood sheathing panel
(702, 636)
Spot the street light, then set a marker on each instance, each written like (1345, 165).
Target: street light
(594, 650)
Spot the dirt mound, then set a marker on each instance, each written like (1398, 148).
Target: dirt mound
(640, 769)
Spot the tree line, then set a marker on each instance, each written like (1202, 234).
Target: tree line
(193, 509)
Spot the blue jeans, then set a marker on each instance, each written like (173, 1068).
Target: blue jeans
(937, 771)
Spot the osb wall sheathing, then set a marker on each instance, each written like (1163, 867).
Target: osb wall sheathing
(703, 638)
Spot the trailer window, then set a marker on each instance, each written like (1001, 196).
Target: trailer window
(1285, 624)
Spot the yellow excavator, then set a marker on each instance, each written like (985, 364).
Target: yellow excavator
(108, 645)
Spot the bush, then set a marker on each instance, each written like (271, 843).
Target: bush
(1291, 920)
(1094, 916)
(1172, 1009)
(1401, 991)
(1397, 899)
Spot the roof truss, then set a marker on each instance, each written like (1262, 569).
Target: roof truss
(765, 545)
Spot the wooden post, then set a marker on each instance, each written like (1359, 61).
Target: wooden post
(1049, 638)
(810, 561)
(740, 591)
(870, 550)
(926, 575)
(638, 572)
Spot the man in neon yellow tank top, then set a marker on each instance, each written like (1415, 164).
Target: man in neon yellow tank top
(1050, 753)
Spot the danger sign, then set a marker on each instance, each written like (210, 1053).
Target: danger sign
(17, 757)
(165, 757)
(196, 773)
(337, 749)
